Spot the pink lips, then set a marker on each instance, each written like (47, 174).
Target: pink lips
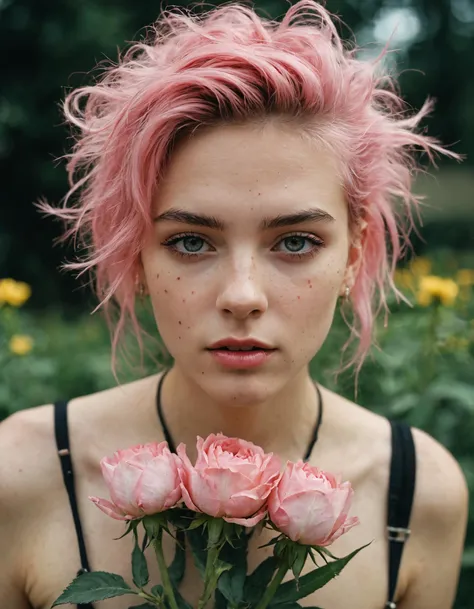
(241, 359)
(239, 343)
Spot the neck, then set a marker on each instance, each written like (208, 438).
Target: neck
(283, 424)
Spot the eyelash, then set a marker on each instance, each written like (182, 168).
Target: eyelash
(170, 244)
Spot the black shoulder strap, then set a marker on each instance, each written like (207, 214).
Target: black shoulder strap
(62, 443)
(400, 500)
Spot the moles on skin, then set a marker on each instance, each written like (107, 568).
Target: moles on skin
(279, 283)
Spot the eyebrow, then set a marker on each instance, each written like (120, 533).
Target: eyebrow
(185, 217)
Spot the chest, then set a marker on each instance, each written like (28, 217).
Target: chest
(54, 557)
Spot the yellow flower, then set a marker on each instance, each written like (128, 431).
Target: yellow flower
(465, 277)
(436, 288)
(14, 293)
(21, 344)
(420, 266)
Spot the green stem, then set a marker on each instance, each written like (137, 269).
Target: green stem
(165, 578)
(152, 599)
(214, 546)
(273, 587)
(209, 581)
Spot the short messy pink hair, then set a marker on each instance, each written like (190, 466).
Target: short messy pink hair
(230, 65)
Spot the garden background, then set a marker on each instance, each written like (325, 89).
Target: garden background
(50, 346)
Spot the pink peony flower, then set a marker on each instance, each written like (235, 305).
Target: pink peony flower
(232, 479)
(142, 480)
(311, 506)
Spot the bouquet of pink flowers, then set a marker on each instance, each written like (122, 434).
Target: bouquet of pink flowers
(214, 505)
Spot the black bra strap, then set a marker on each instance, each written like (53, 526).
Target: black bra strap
(164, 426)
(400, 500)
(62, 443)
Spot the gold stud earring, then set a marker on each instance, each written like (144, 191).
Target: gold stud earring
(140, 288)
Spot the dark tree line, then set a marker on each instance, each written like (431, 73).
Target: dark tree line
(50, 45)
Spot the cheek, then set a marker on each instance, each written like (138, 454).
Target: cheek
(177, 305)
(313, 293)
(308, 305)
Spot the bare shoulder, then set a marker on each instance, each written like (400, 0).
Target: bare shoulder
(440, 508)
(28, 454)
(441, 488)
(26, 445)
(25, 465)
(438, 524)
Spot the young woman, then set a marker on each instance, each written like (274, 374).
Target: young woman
(241, 174)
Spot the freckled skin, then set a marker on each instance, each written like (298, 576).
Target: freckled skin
(244, 280)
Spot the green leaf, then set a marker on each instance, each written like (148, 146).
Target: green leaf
(454, 391)
(309, 583)
(143, 606)
(231, 583)
(323, 550)
(198, 521)
(273, 541)
(181, 518)
(93, 587)
(177, 567)
(146, 541)
(131, 526)
(257, 582)
(300, 559)
(220, 601)
(139, 565)
(153, 524)
(157, 590)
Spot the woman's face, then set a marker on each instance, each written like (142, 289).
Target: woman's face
(251, 243)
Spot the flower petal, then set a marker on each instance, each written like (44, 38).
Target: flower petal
(109, 508)
(159, 486)
(123, 487)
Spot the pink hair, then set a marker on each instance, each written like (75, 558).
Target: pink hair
(230, 65)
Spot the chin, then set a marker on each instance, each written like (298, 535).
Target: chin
(241, 388)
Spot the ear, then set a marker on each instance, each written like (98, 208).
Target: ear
(355, 254)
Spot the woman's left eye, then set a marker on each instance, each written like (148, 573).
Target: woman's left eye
(299, 245)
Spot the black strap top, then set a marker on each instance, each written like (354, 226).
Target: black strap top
(400, 494)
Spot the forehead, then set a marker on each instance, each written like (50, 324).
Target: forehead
(260, 168)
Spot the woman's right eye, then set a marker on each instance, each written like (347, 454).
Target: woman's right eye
(187, 245)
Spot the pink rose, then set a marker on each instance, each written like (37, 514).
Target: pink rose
(231, 479)
(311, 506)
(142, 480)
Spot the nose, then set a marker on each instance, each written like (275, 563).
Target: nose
(242, 294)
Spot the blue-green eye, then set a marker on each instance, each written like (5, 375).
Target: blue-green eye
(188, 245)
(295, 243)
(192, 244)
(299, 245)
